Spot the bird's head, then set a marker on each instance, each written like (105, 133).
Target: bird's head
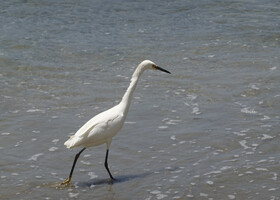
(147, 64)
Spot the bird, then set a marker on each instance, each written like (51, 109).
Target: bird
(104, 126)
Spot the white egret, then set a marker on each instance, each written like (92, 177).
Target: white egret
(104, 126)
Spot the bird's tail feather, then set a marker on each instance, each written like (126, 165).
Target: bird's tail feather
(71, 142)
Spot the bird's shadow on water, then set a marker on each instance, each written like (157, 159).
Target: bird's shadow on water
(108, 181)
(120, 179)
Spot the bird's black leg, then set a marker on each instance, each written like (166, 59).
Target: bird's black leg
(72, 169)
(106, 165)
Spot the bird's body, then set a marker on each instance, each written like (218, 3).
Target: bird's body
(103, 127)
(98, 130)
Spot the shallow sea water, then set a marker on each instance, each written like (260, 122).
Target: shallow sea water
(210, 130)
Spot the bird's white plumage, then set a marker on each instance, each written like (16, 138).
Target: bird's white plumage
(98, 130)
(104, 126)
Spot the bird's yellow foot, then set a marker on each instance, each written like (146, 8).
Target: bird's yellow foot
(66, 181)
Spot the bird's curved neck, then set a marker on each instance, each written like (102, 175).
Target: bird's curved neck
(126, 100)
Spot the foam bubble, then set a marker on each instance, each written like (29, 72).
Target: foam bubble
(261, 169)
(265, 117)
(210, 182)
(92, 175)
(35, 110)
(53, 148)
(85, 162)
(73, 195)
(231, 196)
(261, 161)
(155, 192)
(266, 136)
(225, 168)
(163, 127)
(213, 172)
(182, 142)
(128, 122)
(254, 87)
(173, 121)
(248, 110)
(203, 194)
(243, 144)
(35, 157)
(173, 137)
(55, 141)
(275, 176)
(161, 196)
(196, 111)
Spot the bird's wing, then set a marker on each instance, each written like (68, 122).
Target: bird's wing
(106, 129)
(102, 118)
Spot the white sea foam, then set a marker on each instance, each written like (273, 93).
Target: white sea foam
(243, 144)
(261, 169)
(196, 111)
(265, 117)
(266, 136)
(275, 176)
(248, 110)
(191, 97)
(35, 110)
(225, 168)
(203, 194)
(129, 122)
(261, 161)
(35, 157)
(161, 196)
(254, 87)
(85, 162)
(173, 121)
(210, 182)
(53, 148)
(239, 134)
(155, 192)
(273, 68)
(55, 141)
(173, 137)
(73, 195)
(213, 172)
(92, 175)
(163, 127)
(182, 142)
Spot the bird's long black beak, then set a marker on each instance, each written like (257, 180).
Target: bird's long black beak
(161, 69)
